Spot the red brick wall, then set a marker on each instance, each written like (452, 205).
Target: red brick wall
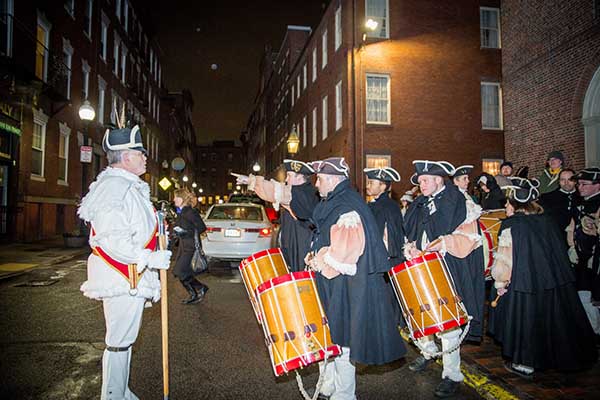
(551, 50)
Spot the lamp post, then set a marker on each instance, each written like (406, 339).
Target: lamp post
(87, 115)
(293, 142)
(256, 167)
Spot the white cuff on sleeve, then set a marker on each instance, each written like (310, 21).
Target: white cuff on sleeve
(343, 268)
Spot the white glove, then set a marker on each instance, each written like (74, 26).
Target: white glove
(573, 257)
(160, 259)
(242, 179)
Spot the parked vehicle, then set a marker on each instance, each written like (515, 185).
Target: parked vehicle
(252, 198)
(235, 231)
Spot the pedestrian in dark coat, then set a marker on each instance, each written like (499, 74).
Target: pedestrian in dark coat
(539, 318)
(187, 225)
(349, 254)
(561, 203)
(492, 197)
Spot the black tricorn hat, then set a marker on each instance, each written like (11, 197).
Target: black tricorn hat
(436, 168)
(123, 139)
(523, 190)
(299, 167)
(331, 166)
(386, 174)
(588, 174)
(463, 170)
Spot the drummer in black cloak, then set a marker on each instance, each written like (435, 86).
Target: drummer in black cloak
(349, 255)
(534, 278)
(298, 193)
(442, 220)
(386, 211)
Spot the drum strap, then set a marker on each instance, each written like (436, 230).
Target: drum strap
(319, 381)
(436, 354)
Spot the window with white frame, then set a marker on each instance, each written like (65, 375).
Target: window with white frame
(338, 27)
(324, 49)
(314, 64)
(338, 106)
(378, 99)
(314, 127)
(87, 18)
(125, 14)
(104, 36)
(293, 95)
(42, 45)
(70, 7)
(6, 26)
(304, 76)
(38, 143)
(63, 152)
(85, 69)
(116, 52)
(491, 105)
(489, 26)
(67, 62)
(304, 131)
(101, 96)
(123, 63)
(324, 111)
(298, 86)
(378, 11)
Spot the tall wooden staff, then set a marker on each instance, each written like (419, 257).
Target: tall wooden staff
(164, 306)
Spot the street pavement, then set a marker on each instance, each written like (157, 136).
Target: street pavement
(52, 344)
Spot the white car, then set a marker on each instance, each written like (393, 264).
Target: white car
(235, 231)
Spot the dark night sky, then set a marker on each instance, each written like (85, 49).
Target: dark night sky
(195, 34)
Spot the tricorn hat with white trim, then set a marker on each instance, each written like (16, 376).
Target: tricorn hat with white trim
(523, 190)
(463, 170)
(386, 174)
(588, 174)
(123, 139)
(436, 168)
(332, 166)
(299, 167)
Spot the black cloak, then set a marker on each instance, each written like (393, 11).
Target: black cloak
(560, 205)
(586, 246)
(387, 214)
(359, 308)
(540, 320)
(467, 273)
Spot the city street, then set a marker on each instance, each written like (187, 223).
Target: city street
(52, 345)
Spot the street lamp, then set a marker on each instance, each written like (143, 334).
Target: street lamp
(293, 142)
(194, 185)
(87, 115)
(238, 187)
(256, 167)
(201, 190)
(185, 178)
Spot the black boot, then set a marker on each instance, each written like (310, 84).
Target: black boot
(194, 298)
(200, 287)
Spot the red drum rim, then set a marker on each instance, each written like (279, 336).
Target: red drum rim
(278, 280)
(430, 330)
(415, 262)
(258, 255)
(305, 360)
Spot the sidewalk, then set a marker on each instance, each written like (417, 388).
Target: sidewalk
(18, 258)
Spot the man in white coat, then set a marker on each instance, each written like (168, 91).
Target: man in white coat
(122, 267)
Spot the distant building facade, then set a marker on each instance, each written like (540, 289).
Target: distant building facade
(215, 163)
(425, 84)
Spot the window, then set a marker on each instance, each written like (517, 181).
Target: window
(324, 49)
(298, 86)
(377, 10)
(324, 115)
(338, 105)
(314, 64)
(67, 62)
(491, 166)
(70, 7)
(38, 143)
(378, 99)
(118, 9)
(104, 36)
(159, 76)
(116, 55)
(229, 185)
(85, 68)
(63, 152)
(123, 63)
(491, 105)
(314, 127)
(338, 27)
(489, 25)
(101, 95)
(304, 76)
(6, 26)
(293, 96)
(87, 18)
(41, 50)
(125, 14)
(304, 131)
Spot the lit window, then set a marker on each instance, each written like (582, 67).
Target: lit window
(85, 69)
(67, 61)
(378, 99)
(377, 10)
(314, 64)
(491, 105)
(338, 105)
(491, 166)
(314, 127)
(489, 25)
(324, 49)
(298, 86)
(38, 143)
(324, 111)
(338, 27)
(41, 50)
(304, 76)
(304, 131)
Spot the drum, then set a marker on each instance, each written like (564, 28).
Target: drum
(295, 326)
(490, 222)
(427, 296)
(259, 268)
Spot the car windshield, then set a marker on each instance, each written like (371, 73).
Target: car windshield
(246, 199)
(236, 212)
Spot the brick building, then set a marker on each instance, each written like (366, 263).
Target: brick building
(215, 163)
(551, 81)
(53, 57)
(425, 84)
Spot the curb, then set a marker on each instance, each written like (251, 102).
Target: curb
(54, 261)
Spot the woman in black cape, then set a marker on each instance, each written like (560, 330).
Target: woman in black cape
(539, 319)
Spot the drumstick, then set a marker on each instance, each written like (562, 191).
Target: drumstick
(495, 302)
